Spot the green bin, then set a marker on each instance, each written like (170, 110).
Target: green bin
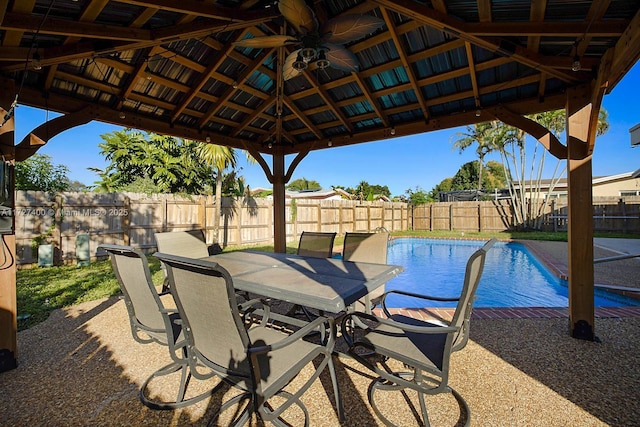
(45, 255)
(83, 252)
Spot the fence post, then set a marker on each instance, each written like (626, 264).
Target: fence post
(393, 216)
(57, 230)
(451, 217)
(430, 216)
(239, 220)
(126, 221)
(554, 215)
(623, 211)
(202, 214)
(384, 213)
(480, 219)
(164, 214)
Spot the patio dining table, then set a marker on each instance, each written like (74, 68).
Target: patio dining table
(326, 284)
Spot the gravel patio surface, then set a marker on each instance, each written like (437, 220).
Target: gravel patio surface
(81, 367)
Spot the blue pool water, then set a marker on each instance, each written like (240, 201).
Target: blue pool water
(512, 276)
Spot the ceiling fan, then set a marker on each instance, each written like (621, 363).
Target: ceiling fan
(318, 44)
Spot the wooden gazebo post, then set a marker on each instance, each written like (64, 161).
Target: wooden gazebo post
(582, 117)
(279, 205)
(8, 303)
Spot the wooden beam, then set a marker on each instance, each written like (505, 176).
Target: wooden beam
(405, 63)
(580, 215)
(38, 137)
(626, 52)
(198, 8)
(86, 49)
(279, 204)
(27, 22)
(454, 27)
(611, 28)
(8, 299)
(539, 132)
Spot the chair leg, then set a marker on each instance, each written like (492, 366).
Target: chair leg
(336, 390)
(266, 415)
(180, 401)
(386, 385)
(244, 415)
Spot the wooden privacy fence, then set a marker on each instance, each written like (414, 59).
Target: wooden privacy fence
(132, 219)
(610, 214)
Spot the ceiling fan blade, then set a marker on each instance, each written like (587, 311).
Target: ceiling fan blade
(341, 58)
(348, 28)
(298, 14)
(288, 72)
(265, 41)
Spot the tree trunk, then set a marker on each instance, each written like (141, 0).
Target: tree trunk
(217, 213)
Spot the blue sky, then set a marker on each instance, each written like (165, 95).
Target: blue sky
(401, 163)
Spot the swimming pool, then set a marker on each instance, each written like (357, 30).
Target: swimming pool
(512, 276)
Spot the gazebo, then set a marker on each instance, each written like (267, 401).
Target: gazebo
(284, 78)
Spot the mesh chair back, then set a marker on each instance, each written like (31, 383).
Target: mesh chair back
(366, 247)
(462, 315)
(141, 298)
(317, 245)
(188, 244)
(205, 297)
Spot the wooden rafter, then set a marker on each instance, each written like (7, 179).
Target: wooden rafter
(405, 62)
(447, 24)
(230, 91)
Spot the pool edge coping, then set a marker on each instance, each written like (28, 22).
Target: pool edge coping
(512, 312)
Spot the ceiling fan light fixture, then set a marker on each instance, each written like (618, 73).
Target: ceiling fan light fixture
(308, 54)
(575, 65)
(322, 61)
(299, 64)
(37, 65)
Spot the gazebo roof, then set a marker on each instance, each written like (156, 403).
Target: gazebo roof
(171, 67)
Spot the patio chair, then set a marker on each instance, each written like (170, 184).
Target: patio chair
(366, 247)
(316, 244)
(258, 360)
(422, 346)
(151, 322)
(190, 244)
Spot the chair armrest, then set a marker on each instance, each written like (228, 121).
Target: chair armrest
(402, 326)
(300, 334)
(255, 305)
(413, 295)
(174, 342)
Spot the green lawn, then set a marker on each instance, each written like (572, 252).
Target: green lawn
(42, 290)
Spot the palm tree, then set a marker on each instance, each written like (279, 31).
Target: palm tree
(511, 145)
(219, 158)
(487, 136)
